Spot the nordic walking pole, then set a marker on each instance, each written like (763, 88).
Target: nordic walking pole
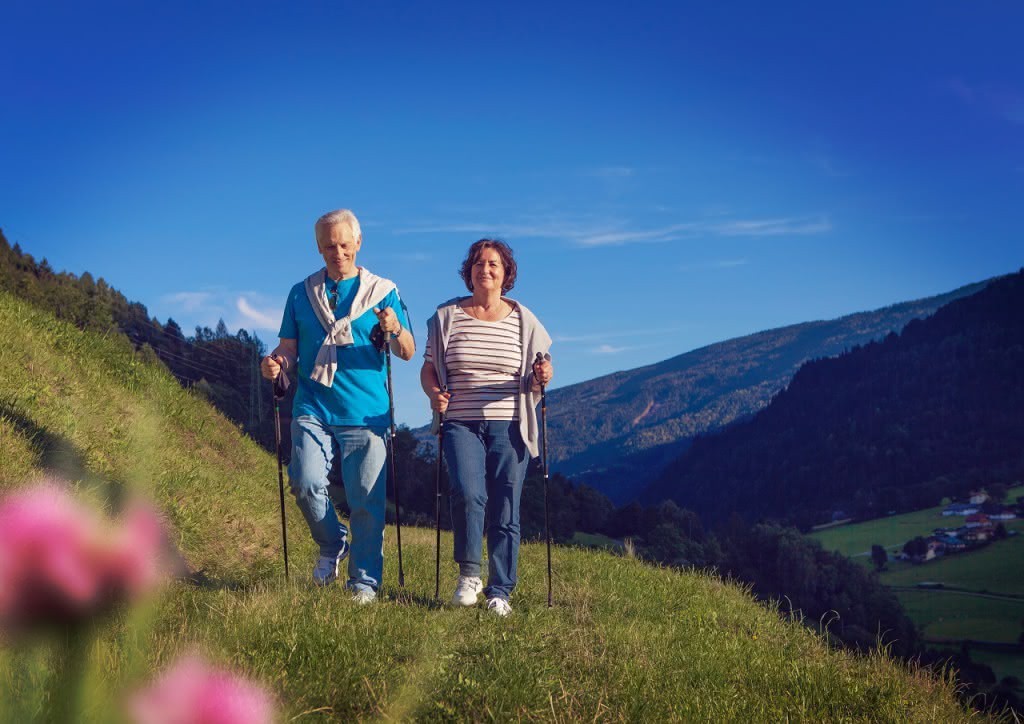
(391, 460)
(544, 464)
(437, 507)
(280, 387)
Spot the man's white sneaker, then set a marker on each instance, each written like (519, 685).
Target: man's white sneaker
(325, 572)
(466, 590)
(363, 597)
(499, 607)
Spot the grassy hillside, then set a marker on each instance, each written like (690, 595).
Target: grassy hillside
(83, 405)
(625, 641)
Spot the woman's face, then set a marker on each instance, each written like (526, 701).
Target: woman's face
(488, 271)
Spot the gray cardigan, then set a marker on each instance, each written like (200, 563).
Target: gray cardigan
(534, 338)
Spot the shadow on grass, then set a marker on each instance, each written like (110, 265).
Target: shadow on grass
(387, 595)
(59, 456)
(200, 579)
(405, 597)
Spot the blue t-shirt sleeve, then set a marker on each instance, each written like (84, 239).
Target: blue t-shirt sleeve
(289, 329)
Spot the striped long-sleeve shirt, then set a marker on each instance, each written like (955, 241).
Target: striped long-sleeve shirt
(483, 360)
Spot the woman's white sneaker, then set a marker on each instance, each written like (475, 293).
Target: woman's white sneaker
(364, 597)
(326, 570)
(467, 590)
(499, 607)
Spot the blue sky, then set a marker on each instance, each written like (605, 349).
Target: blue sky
(668, 176)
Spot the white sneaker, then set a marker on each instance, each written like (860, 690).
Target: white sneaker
(499, 607)
(466, 590)
(325, 572)
(363, 597)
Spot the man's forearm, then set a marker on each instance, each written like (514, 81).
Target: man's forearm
(403, 344)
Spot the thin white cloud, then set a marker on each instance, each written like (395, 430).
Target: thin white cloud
(546, 230)
(256, 318)
(618, 238)
(719, 264)
(608, 349)
(615, 334)
(737, 227)
(772, 227)
(617, 232)
(244, 309)
(189, 301)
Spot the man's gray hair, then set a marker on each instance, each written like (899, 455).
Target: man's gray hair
(340, 216)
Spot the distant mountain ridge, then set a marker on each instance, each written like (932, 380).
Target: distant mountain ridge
(895, 425)
(616, 432)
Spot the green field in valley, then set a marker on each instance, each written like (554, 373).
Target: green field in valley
(855, 539)
(997, 569)
(955, 615)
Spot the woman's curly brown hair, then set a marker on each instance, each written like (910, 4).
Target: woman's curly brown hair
(507, 261)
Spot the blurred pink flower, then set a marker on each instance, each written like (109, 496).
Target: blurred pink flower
(137, 552)
(192, 692)
(61, 562)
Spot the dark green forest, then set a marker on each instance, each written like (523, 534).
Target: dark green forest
(895, 425)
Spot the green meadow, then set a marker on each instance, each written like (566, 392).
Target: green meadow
(625, 641)
(855, 539)
(945, 614)
(997, 568)
(955, 615)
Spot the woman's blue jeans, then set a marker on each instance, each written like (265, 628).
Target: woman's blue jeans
(363, 454)
(487, 462)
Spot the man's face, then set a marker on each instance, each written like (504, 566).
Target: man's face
(338, 246)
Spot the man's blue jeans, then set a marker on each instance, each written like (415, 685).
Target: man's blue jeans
(363, 454)
(487, 462)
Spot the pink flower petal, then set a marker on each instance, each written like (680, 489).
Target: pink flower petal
(192, 692)
(60, 561)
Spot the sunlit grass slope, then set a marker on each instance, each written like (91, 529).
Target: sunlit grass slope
(624, 642)
(86, 407)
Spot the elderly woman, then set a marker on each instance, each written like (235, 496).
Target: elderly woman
(483, 382)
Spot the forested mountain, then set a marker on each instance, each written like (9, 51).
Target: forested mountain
(219, 365)
(933, 411)
(615, 433)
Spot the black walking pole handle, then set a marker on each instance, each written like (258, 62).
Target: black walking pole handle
(281, 383)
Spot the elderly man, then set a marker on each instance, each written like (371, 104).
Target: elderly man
(341, 404)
